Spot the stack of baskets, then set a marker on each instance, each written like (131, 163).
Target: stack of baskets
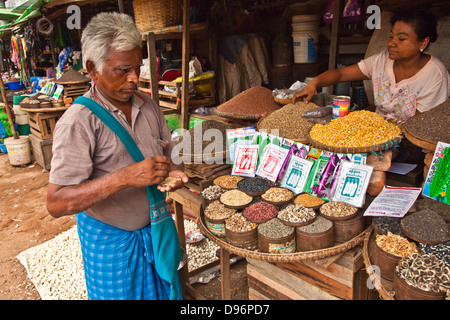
(154, 14)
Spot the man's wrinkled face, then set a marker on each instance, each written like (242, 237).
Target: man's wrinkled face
(120, 76)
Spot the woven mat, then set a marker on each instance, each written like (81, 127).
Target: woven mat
(51, 276)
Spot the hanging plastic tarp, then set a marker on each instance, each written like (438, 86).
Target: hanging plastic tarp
(19, 56)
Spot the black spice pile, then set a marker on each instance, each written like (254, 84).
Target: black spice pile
(440, 208)
(426, 226)
(388, 224)
(431, 125)
(253, 185)
(71, 76)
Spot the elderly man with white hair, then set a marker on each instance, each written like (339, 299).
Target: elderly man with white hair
(111, 151)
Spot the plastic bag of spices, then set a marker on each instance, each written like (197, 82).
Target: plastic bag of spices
(322, 189)
(318, 112)
(316, 172)
(236, 137)
(271, 162)
(296, 174)
(352, 183)
(246, 160)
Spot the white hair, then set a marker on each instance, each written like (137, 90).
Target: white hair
(105, 31)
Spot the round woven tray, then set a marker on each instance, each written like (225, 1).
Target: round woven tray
(239, 116)
(378, 147)
(383, 286)
(285, 257)
(418, 141)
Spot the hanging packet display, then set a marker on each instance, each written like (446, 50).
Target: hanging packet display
(296, 174)
(245, 161)
(352, 183)
(293, 149)
(316, 172)
(271, 162)
(263, 139)
(438, 176)
(314, 153)
(336, 175)
(322, 189)
(359, 158)
(239, 136)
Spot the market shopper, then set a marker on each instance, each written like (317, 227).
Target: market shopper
(50, 71)
(128, 238)
(405, 79)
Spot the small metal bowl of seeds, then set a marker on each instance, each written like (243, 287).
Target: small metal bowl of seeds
(337, 210)
(309, 201)
(235, 199)
(278, 196)
(296, 215)
(260, 212)
(228, 181)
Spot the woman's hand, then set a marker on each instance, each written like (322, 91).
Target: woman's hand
(305, 94)
(181, 179)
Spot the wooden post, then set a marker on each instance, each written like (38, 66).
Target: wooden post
(151, 48)
(335, 38)
(15, 134)
(121, 6)
(185, 67)
(225, 273)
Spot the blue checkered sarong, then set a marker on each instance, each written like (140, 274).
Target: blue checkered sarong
(118, 264)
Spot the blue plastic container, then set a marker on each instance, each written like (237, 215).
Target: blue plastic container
(14, 85)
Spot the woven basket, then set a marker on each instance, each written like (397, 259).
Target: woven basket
(384, 287)
(154, 14)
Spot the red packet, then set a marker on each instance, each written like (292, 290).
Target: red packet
(272, 162)
(245, 160)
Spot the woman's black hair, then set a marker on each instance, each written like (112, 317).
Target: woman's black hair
(424, 24)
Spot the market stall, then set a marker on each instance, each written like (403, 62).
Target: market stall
(303, 197)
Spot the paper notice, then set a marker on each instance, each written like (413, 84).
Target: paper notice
(393, 202)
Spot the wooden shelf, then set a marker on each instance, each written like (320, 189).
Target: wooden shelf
(179, 101)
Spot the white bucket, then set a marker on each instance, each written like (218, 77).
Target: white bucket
(305, 38)
(19, 151)
(22, 119)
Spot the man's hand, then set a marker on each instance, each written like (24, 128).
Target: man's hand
(147, 172)
(180, 178)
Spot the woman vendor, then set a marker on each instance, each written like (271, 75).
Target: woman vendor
(405, 79)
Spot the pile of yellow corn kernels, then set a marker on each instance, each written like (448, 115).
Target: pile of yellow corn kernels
(358, 129)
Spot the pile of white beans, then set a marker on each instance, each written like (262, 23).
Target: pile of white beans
(56, 267)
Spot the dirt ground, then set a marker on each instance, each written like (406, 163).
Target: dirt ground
(25, 223)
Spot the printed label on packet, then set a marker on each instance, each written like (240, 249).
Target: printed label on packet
(245, 161)
(287, 247)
